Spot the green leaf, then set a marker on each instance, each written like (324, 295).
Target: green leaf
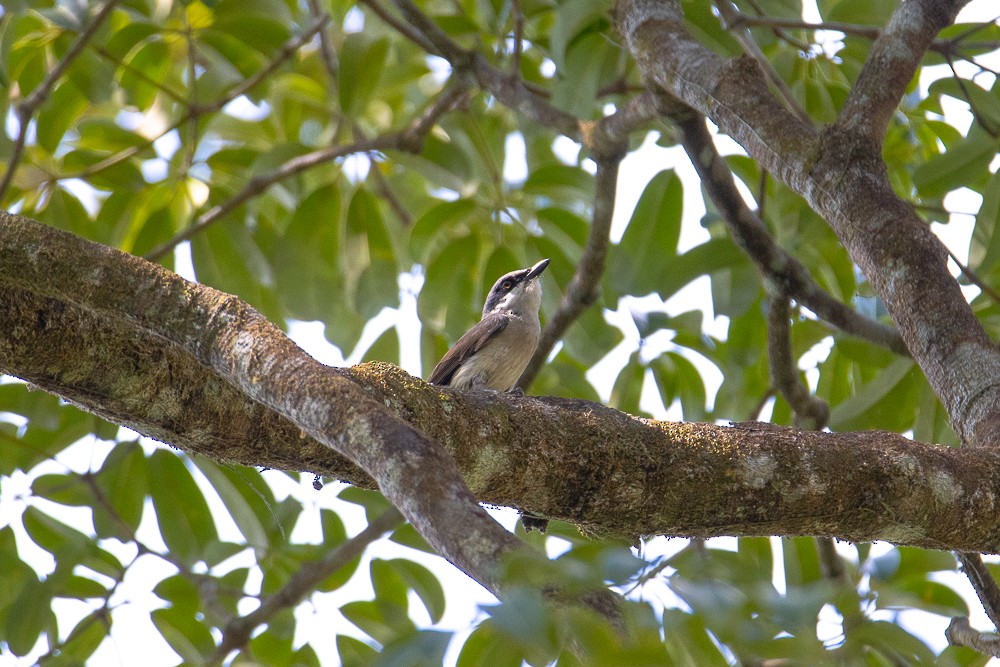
(868, 396)
(522, 618)
(422, 582)
(60, 111)
(80, 588)
(429, 229)
(627, 389)
(306, 258)
(447, 301)
(373, 502)
(86, 637)
(382, 622)
(385, 347)
(871, 12)
(962, 164)
(362, 61)
(181, 592)
(705, 259)
(408, 536)
(676, 377)
(571, 19)
(984, 247)
(65, 489)
(650, 240)
(354, 652)
(240, 493)
(34, 615)
(920, 593)
(144, 71)
(186, 635)
(487, 646)
(891, 640)
(560, 183)
(123, 481)
(422, 648)
(185, 521)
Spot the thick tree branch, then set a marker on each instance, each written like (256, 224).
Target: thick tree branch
(134, 343)
(730, 14)
(892, 62)
(842, 175)
(240, 347)
(750, 234)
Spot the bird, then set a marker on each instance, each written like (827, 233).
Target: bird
(494, 352)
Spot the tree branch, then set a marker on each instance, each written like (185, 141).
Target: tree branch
(810, 412)
(843, 177)
(891, 64)
(409, 139)
(730, 17)
(960, 633)
(983, 582)
(942, 46)
(26, 109)
(188, 365)
(242, 349)
(238, 631)
(750, 234)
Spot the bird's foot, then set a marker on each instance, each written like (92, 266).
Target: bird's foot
(533, 522)
(516, 391)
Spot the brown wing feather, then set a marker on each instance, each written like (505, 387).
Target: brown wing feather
(471, 342)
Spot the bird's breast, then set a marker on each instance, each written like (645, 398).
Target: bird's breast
(502, 360)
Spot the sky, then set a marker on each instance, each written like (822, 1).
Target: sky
(135, 640)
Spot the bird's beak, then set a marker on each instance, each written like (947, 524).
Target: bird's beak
(537, 269)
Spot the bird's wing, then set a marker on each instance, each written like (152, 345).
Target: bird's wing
(470, 343)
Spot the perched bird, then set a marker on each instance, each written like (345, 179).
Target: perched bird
(494, 353)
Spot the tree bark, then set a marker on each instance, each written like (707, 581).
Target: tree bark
(840, 172)
(607, 471)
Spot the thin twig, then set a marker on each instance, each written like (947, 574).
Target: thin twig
(410, 139)
(402, 27)
(750, 234)
(983, 583)
(26, 109)
(286, 52)
(238, 630)
(810, 412)
(979, 118)
(515, 59)
(960, 633)
(857, 30)
(607, 141)
(258, 184)
(330, 61)
(780, 33)
(974, 278)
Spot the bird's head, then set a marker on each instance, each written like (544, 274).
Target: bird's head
(518, 290)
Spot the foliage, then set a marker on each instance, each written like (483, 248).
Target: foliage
(172, 108)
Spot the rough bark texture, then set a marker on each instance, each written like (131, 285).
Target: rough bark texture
(841, 174)
(605, 470)
(156, 320)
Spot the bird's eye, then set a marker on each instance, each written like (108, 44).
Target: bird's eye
(506, 285)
